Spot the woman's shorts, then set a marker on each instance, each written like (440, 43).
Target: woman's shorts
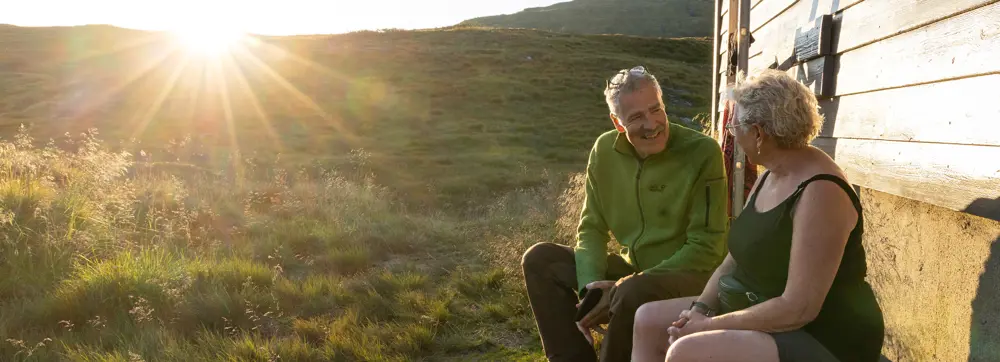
(800, 346)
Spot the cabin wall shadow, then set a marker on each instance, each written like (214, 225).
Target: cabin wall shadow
(984, 327)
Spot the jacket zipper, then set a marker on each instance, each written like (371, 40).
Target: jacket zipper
(642, 216)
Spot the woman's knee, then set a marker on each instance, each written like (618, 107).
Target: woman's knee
(741, 345)
(693, 347)
(646, 318)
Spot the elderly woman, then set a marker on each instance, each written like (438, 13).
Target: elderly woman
(793, 285)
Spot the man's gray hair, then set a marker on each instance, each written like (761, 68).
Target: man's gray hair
(626, 82)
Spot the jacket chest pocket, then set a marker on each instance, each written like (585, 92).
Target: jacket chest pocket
(704, 206)
(662, 204)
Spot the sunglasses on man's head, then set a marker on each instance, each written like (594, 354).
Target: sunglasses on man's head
(622, 75)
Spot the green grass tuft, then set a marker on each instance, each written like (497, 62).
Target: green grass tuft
(141, 285)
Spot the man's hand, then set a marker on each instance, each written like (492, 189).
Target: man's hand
(689, 322)
(599, 314)
(587, 334)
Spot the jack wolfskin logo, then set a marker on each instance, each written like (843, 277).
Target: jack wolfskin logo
(657, 188)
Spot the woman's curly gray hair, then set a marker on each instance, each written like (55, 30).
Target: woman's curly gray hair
(783, 107)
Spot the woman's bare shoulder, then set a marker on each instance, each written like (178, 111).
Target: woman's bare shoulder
(824, 195)
(826, 165)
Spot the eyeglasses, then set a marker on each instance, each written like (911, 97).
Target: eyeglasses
(731, 128)
(622, 76)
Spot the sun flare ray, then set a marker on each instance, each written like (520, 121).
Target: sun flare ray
(87, 104)
(130, 78)
(160, 98)
(306, 62)
(265, 120)
(117, 48)
(349, 136)
(227, 112)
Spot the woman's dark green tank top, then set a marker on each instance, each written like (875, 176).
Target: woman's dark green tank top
(850, 322)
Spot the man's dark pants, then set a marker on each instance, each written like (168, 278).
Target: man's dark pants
(550, 277)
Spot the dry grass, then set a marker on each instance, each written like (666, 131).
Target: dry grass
(108, 266)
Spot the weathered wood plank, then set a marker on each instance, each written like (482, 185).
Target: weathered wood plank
(725, 82)
(744, 51)
(777, 37)
(970, 113)
(724, 22)
(724, 60)
(763, 61)
(951, 176)
(812, 41)
(723, 42)
(961, 46)
(768, 10)
(733, 14)
(816, 40)
(874, 20)
(715, 60)
(723, 86)
(743, 34)
(817, 74)
(858, 25)
(844, 4)
(828, 145)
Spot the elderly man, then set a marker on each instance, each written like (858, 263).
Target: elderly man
(659, 188)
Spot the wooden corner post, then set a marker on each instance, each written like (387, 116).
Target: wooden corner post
(742, 31)
(719, 43)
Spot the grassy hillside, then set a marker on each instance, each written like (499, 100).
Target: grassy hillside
(456, 112)
(656, 18)
(354, 197)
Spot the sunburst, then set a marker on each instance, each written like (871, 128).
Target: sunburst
(209, 39)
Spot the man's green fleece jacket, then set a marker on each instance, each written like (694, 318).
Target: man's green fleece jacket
(668, 211)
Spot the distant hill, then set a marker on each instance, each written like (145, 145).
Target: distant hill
(657, 18)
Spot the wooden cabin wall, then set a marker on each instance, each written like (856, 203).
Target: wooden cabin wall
(910, 101)
(908, 90)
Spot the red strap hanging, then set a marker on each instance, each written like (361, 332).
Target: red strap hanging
(729, 151)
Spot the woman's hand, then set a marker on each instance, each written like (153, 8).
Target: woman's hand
(690, 322)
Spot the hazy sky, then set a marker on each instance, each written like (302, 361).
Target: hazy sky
(278, 17)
